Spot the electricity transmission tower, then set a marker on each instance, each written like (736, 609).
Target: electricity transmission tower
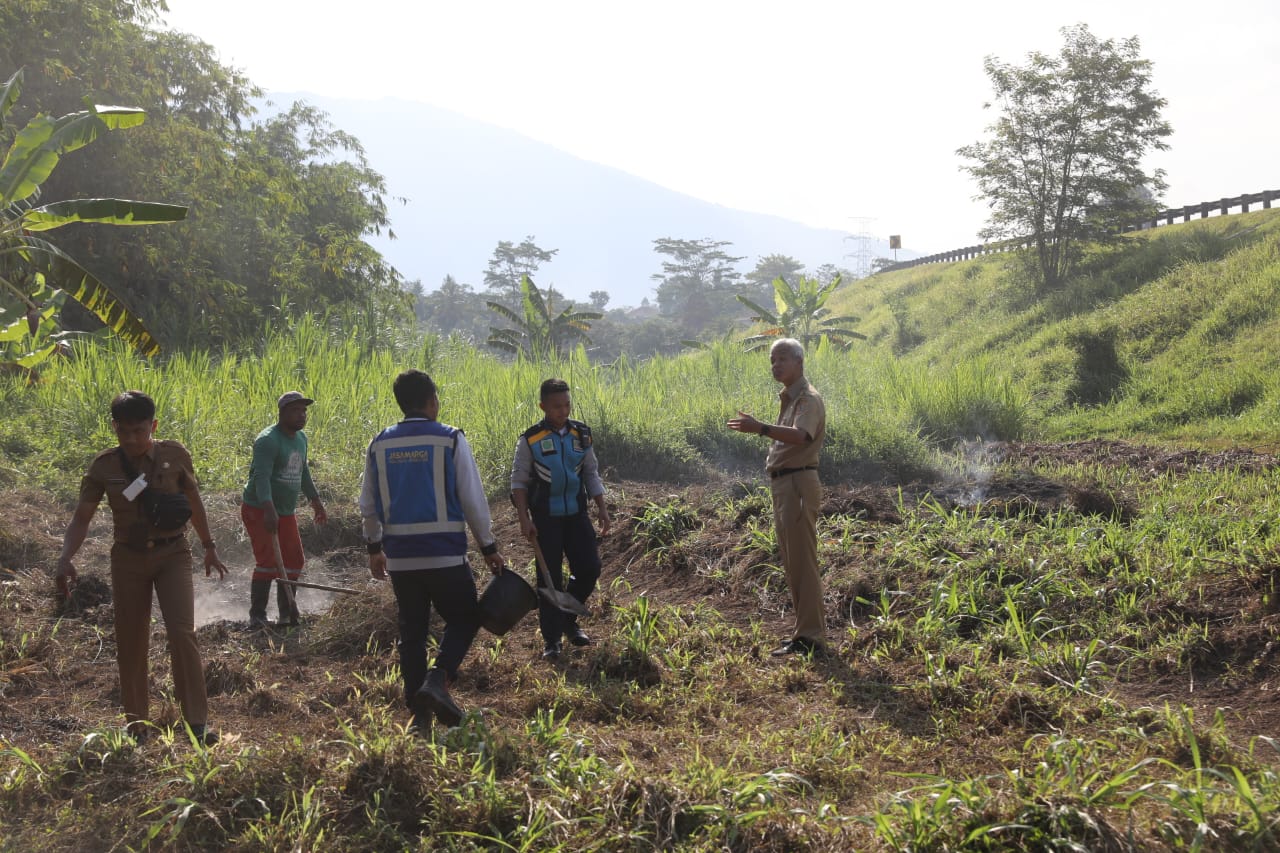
(863, 251)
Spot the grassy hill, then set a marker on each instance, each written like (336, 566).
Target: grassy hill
(1170, 335)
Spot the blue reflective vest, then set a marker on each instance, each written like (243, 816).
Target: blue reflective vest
(557, 488)
(416, 492)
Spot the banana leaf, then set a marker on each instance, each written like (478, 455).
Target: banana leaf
(112, 211)
(38, 146)
(85, 288)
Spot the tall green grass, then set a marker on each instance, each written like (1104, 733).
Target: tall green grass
(663, 419)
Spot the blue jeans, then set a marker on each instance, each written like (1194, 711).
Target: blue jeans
(453, 592)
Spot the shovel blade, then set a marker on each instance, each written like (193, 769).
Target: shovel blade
(564, 601)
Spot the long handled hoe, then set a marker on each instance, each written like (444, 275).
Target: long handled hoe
(285, 583)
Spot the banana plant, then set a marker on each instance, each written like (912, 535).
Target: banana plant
(539, 334)
(35, 336)
(31, 266)
(801, 313)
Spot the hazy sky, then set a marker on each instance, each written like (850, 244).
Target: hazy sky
(837, 114)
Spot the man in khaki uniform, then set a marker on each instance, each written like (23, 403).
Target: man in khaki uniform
(797, 494)
(146, 557)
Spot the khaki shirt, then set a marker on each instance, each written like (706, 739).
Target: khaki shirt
(167, 466)
(802, 407)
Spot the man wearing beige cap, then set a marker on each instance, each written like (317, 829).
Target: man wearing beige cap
(277, 474)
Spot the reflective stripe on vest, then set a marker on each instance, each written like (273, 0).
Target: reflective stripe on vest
(412, 450)
(557, 464)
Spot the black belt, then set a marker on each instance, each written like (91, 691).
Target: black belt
(155, 543)
(782, 472)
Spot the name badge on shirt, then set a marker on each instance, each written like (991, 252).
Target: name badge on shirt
(577, 444)
(135, 488)
(547, 446)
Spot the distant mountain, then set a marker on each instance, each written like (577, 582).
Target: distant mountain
(469, 184)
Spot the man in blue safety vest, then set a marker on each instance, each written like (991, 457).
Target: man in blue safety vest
(554, 475)
(421, 491)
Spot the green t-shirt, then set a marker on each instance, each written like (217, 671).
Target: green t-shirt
(279, 470)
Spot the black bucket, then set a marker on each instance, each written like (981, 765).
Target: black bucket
(505, 601)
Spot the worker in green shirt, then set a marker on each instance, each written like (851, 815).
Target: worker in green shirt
(277, 474)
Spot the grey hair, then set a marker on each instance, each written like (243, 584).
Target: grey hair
(791, 345)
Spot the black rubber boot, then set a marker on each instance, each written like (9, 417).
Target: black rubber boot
(259, 592)
(433, 697)
(288, 615)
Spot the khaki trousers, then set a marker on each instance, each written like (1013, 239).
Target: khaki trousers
(797, 498)
(134, 574)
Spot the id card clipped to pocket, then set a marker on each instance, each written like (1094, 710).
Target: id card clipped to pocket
(135, 488)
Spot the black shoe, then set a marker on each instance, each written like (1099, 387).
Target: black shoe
(798, 646)
(433, 698)
(578, 637)
(551, 651)
(202, 735)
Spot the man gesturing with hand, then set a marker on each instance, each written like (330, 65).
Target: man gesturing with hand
(792, 464)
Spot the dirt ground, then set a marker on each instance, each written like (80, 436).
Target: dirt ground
(1237, 670)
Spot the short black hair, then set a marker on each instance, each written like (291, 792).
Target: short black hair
(552, 386)
(414, 389)
(131, 407)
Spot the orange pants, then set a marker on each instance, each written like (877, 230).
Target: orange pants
(134, 574)
(264, 555)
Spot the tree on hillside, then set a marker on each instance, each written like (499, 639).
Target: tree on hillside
(801, 313)
(38, 272)
(698, 281)
(619, 335)
(828, 273)
(329, 199)
(511, 263)
(759, 281)
(278, 211)
(599, 299)
(454, 308)
(1063, 159)
(101, 49)
(539, 333)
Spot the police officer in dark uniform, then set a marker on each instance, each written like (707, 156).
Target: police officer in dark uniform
(147, 557)
(554, 474)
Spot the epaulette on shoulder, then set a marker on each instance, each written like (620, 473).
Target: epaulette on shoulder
(535, 433)
(583, 431)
